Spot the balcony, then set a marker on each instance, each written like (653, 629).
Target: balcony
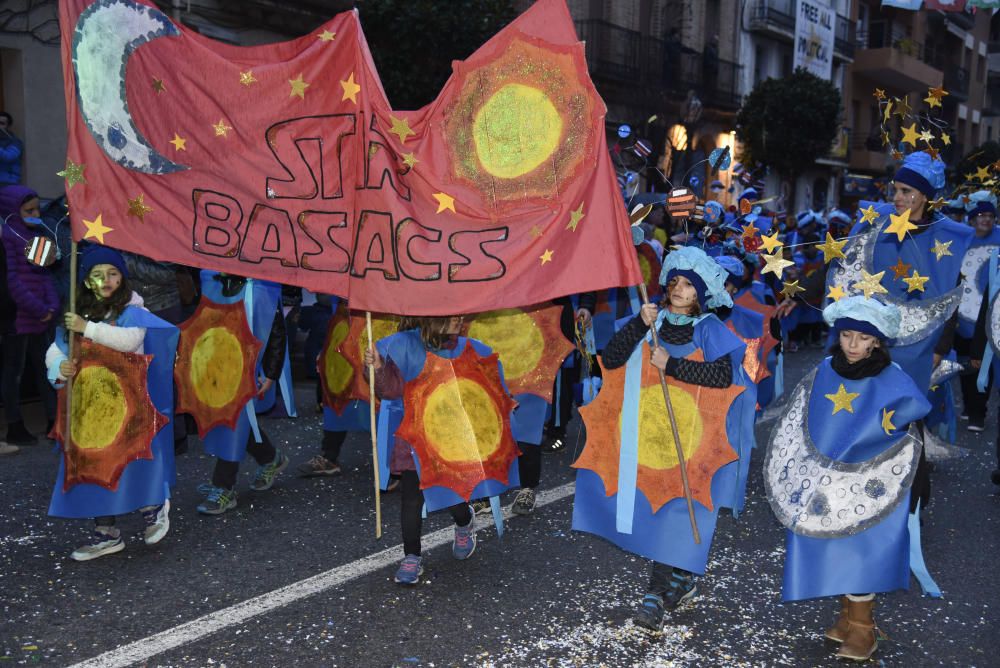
(775, 17)
(612, 51)
(956, 82)
(844, 38)
(867, 152)
(896, 64)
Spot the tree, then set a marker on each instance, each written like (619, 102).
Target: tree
(788, 123)
(414, 42)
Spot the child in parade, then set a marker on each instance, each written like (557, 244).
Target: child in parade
(110, 314)
(841, 482)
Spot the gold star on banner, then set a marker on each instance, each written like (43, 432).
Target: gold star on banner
(546, 256)
(887, 426)
(221, 129)
(771, 243)
(137, 207)
(879, 94)
(933, 152)
(445, 202)
(96, 229)
(401, 128)
(910, 135)
(915, 282)
(835, 293)
(869, 215)
(536, 231)
(982, 173)
(73, 173)
(842, 400)
(926, 136)
(575, 217)
(941, 249)
(946, 139)
(298, 87)
(247, 78)
(832, 248)
(870, 284)
(158, 86)
(791, 289)
(410, 160)
(900, 269)
(180, 143)
(902, 107)
(350, 89)
(775, 264)
(900, 225)
(326, 36)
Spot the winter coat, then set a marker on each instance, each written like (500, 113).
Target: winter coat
(32, 288)
(11, 153)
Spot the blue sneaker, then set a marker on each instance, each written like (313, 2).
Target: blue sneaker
(465, 539)
(264, 479)
(410, 570)
(217, 500)
(649, 616)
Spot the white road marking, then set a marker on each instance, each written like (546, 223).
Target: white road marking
(206, 625)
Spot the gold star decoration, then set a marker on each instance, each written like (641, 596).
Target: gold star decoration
(835, 293)
(750, 230)
(941, 249)
(137, 207)
(298, 87)
(842, 400)
(887, 426)
(410, 160)
(900, 225)
(221, 129)
(832, 248)
(982, 173)
(351, 89)
(870, 284)
(915, 282)
(946, 139)
(938, 203)
(926, 136)
(401, 128)
(445, 202)
(900, 269)
(933, 152)
(546, 256)
(73, 173)
(887, 112)
(96, 229)
(869, 215)
(180, 143)
(910, 135)
(158, 86)
(536, 231)
(326, 36)
(775, 264)
(575, 217)
(935, 94)
(902, 107)
(247, 78)
(771, 243)
(789, 290)
(879, 94)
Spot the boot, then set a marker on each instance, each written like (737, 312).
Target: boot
(861, 640)
(18, 435)
(838, 631)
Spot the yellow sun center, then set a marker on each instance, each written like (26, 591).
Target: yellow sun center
(216, 367)
(99, 408)
(336, 367)
(516, 130)
(656, 440)
(462, 422)
(514, 336)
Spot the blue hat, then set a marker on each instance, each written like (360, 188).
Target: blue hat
(865, 315)
(708, 278)
(95, 255)
(981, 201)
(839, 215)
(803, 218)
(734, 267)
(749, 193)
(922, 172)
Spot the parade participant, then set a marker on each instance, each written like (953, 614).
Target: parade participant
(110, 314)
(696, 349)
(576, 309)
(756, 296)
(840, 483)
(399, 360)
(984, 349)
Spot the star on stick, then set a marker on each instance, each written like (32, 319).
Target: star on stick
(445, 202)
(915, 282)
(789, 290)
(900, 225)
(926, 136)
(941, 249)
(575, 217)
(750, 230)
(401, 128)
(936, 204)
(835, 293)
(180, 143)
(351, 89)
(870, 284)
(946, 139)
(137, 207)
(879, 94)
(771, 243)
(832, 248)
(887, 426)
(546, 256)
(842, 399)
(96, 229)
(247, 78)
(298, 87)
(869, 215)
(900, 269)
(775, 264)
(73, 173)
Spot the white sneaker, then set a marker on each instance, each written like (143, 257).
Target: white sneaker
(157, 522)
(8, 449)
(105, 540)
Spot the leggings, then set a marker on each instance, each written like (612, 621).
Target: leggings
(411, 510)
(529, 465)
(225, 472)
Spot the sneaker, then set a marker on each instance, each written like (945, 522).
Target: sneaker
(964, 416)
(7, 449)
(18, 435)
(553, 444)
(317, 466)
(104, 540)
(410, 570)
(482, 507)
(524, 502)
(217, 500)
(157, 520)
(977, 424)
(266, 474)
(682, 588)
(465, 539)
(649, 616)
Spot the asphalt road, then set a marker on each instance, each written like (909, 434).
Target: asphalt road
(540, 596)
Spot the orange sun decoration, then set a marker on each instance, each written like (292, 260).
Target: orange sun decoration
(768, 342)
(341, 364)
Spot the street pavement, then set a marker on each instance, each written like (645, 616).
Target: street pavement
(295, 577)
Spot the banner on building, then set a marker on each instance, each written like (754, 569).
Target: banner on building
(814, 34)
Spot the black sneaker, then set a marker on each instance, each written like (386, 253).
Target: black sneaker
(553, 444)
(682, 589)
(649, 616)
(977, 424)
(524, 502)
(18, 435)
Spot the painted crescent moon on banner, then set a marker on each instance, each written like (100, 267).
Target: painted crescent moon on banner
(814, 495)
(106, 35)
(919, 318)
(972, 296)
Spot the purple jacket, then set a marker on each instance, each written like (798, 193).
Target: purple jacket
(33, 288)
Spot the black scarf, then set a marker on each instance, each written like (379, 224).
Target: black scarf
(866, 368)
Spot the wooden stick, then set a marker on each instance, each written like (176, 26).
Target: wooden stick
(71, 343)
(673, 427)
(371, 411)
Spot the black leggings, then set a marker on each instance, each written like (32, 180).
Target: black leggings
(225, 472)
(411, 508)
(332, 442)
(529, 465)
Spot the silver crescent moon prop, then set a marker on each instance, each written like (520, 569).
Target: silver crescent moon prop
(816, 496)
(938, 450)
(918, 318)
(106, 34)
(972, 296)
(945, 371)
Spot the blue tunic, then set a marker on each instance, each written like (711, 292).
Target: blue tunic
(969, 308)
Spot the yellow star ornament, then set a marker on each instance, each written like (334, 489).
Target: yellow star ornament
(73, 173)
(351, 89)
(869, 215)
(835, 293)
(789, 290)
(575, 217)
(445, 202)
(298, 87)
(410, 160)
(870, 284)
(915, 282)
(832, 248)
(900, 225)
(546, 256)
(96, 229)
(771, 243)
(941, 249)
(180, 143)
(887, 426)
(221, 129)
(137, 207)
(775, 264)
(401, 128)
(910, 135)
(842, 400)
(982, 173)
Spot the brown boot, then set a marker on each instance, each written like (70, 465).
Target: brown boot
(838, 631)
(861, 640)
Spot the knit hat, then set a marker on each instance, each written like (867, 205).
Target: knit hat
(922, 172)
(95, 255)
(865, 315)
(981, 201)
(708, 278)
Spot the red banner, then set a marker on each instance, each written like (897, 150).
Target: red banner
(286, 162)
